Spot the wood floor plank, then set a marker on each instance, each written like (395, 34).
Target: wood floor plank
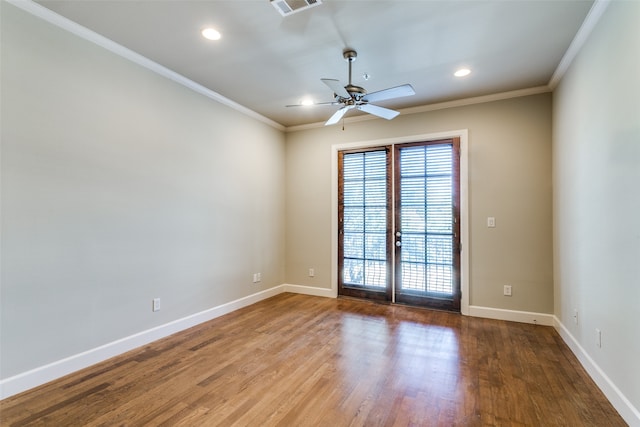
(296, 360)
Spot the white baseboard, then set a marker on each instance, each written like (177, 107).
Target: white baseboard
(41, 375)
(619, 401)
(511, 315)
(60, 368)
(309, 290)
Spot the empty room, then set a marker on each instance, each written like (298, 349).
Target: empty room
(319, 213)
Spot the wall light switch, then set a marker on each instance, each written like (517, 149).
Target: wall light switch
(491, 222)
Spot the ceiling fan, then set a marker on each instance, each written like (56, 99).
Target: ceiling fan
(351, 96)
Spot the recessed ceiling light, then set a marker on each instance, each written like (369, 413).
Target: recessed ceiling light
(462, 72)
(211, 34)
(306, 102)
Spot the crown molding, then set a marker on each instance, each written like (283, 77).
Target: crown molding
(593, 17)
(438, 106)
(29, 6)
(66, 24)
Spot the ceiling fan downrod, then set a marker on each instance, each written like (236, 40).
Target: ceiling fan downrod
(356, 92)
(349, 55)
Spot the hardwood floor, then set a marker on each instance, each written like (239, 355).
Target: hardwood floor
(296, 360)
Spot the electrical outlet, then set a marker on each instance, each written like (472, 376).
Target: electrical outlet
(598, 338)
(257, 277)
(491, 222)
(507, 290)
(312, 272)
(156, 304)
(575, 316)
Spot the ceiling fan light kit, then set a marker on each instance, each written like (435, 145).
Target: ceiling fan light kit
(351, 96)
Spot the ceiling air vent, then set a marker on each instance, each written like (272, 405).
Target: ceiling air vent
(289, 7)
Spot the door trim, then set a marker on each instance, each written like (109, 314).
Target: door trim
(464, 202)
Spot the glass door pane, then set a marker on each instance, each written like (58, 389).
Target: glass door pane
(427, 224)
(364, 223)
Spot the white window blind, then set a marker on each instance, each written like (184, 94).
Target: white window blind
(365, 219)
(426, 201)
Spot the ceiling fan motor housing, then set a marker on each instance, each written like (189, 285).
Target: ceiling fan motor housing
(356, 92)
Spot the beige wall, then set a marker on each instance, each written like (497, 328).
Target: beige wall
(119, 186)
(596, 168)
(509, 148)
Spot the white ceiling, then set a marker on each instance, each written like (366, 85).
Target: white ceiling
(265, 61)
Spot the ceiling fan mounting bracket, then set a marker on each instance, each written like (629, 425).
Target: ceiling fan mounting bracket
(349, 54)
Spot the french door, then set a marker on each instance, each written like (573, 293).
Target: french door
(399, 223)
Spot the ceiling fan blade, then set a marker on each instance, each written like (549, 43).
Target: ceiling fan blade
(385, 113)
(314, 104)
(336, 87)
(392, 92)
(338, 115)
